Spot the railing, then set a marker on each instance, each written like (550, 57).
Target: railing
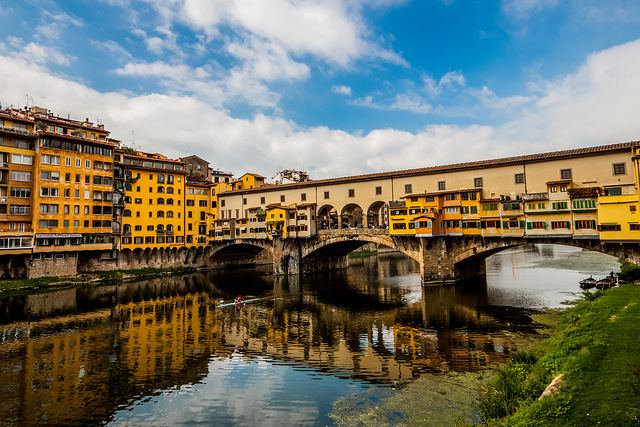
(160, 232)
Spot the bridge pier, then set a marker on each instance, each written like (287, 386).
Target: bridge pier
(287, 257)
(438, 264)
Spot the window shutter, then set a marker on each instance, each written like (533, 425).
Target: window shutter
(599, 227)
(505, 225)
(544, 225)
(568, 224)
(553, 225)
(521, 223)
(617, 227)
(593, 223)
(529, 226)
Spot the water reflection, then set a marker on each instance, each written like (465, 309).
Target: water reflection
(160, 352)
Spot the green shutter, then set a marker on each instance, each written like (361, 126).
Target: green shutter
(521, 222)
(505, 225)
(568, 224)
(593, 223)
(529, 226)
(544, 225)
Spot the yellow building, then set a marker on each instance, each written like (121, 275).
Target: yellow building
(198, 223)
(17, 153)
(153, 212)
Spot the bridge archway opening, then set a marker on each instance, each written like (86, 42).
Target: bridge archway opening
(327, 218)
(352, 216)
(378, 215)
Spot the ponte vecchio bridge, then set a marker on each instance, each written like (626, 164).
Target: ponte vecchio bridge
(448, 218)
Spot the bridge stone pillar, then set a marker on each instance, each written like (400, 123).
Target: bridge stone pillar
(287, 256)
(437, 261)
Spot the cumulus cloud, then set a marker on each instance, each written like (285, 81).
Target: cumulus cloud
(596, 104)
(341, 90)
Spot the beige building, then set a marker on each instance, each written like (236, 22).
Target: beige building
(362, 201)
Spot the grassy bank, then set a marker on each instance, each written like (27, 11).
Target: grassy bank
(595, 346)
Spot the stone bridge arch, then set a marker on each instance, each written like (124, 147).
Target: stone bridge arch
(239, 252)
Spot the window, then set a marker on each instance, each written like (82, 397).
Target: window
(442, 185)
(203, 203)
(169, 179)
(584, 204)
(48, 209)
(451, 209)
(66, 209)
(477, 182)
(86, 210)
(202, 216)
(408, 188)
(78, 163)
(586, 223)
(67, 161)
(565, 173)
(352, 192)
(489, 206)
(191, 203)
(20, 209)
(262, 200)
(67, 177)
(49, 192)
(519, 178)
(326, 194)
(20, 176)
(23, 193)
(553, 189)
(303, 197)
(21, 159)
(614, 191)
(222, 203)
(282, 199)
(76, 209)
(560, 224)
(190, 214)
(49, 159)
(559, 205)
(536, 225)
(451, 196)
(609, 227)
(50, 175)
(619, 169)
(87, 194)
(87, 179)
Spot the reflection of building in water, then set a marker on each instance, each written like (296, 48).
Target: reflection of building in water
(162, 334)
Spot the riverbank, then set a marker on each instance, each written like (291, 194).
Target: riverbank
(11, 287)
(595, 349)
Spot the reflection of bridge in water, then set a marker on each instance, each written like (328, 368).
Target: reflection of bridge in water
(135, 339)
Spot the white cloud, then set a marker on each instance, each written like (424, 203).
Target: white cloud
(434, 89)
(490, 100)
(341, 90)
(597, 104)
(410, 102)
(113, 48)
(37, 53)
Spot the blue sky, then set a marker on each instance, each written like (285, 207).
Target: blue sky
(337, 87)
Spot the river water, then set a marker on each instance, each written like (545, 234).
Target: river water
(162, 351)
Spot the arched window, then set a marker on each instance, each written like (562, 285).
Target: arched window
(160, 201)
(126, 230)
(169, 214)
(128, 187)
(169, 190)
(160, 178)
(169, 226)
(160, 190)
(170, 201)
(126, 213)
(170, 179)
(160, 215)
(127, 199)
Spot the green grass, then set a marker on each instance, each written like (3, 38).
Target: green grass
(628, 272)
(596, 347)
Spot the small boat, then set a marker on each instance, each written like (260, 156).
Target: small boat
(588, 283)
(242, 302)
(606, 283)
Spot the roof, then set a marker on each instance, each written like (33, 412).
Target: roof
(255, 175)
(506, 161)
(560, 181)
(77, 138)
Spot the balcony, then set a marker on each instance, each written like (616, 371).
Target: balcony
(160, 232)
(169, 232)
(128, 178)
(4, 165)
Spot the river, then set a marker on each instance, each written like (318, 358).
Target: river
(318, 350)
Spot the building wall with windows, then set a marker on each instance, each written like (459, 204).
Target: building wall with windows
(198, 212)
(153, 211)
